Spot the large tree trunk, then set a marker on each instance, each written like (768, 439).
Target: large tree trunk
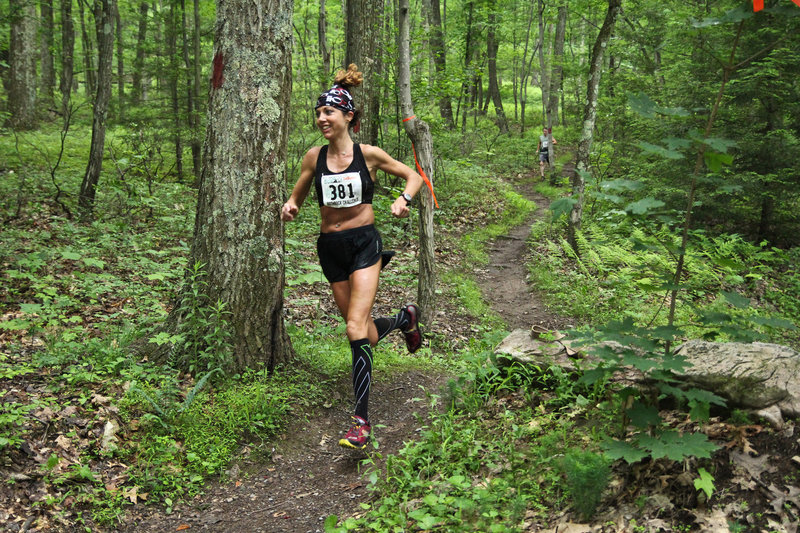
(494, 88)
(363, 29)
(238, 233)
(48, 72)
(138, 61)
(67, 53)
(556, 68)
(22, 65)
(440, 62)
(589, 117)
(420, 136)
(104, 24)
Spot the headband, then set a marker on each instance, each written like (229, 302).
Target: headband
(338, 97)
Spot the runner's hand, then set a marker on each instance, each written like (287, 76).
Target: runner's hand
(400, 208)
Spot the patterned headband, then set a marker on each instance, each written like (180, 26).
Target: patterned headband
(338, 97)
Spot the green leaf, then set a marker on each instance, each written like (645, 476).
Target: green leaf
(705, 482)
(562, 206)
(617, 449)
(72, 256)
(642, 104)
(622, 185)
(98, 263)
(736, 14)
(677, 447)
(643, 416)
(774, 322)
(157, 276)
(715, 160)
(659, 150)
(330, 523)
(592, 376)
(736, 300)
(643, 206)
(30, 309)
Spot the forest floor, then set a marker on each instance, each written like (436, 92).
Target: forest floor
(305, 476)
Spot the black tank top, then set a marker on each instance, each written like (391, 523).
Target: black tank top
(353, 186)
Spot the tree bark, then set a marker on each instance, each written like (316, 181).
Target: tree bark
(491, 48)
(197, 153)
(238, 233)
(120, 65)
(322, 42)
(543, 83)
(525, 69)
(48, 73)
(557, 68)
(589, 117)
(363, 38)
(67, 53)
(420, 135)
(439, 54)
(87, 46)
(173, 78)
(22, 65)
(138, 62)
(104, 24)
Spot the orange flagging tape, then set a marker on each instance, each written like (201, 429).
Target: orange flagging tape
(409, 118)
(424, 177)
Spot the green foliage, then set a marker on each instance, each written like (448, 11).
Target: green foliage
(587, 475)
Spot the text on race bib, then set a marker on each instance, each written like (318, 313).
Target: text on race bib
(341, 190)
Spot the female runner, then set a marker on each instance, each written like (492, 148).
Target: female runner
(349, 247)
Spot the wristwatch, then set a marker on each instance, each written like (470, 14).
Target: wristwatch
(407, 197)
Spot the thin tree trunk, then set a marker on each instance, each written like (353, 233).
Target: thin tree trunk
(190, 99)
(197, 153)
(22, 65)
(557, 68)
(542, 63)
(173, 78)
(67, 53)
(322, 43)
(104, 23)
(138, 62)
(420, 135)
(120, 65)
(439, 54)
(589, 117)
(48, 73)
(87, 46)
(525, 68)
(494, 88)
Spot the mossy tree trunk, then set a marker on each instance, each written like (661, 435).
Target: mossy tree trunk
(238, 232)
(363, 34)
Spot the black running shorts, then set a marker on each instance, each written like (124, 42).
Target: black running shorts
(343, 252)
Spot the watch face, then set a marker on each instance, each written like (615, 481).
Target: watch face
(406, 197)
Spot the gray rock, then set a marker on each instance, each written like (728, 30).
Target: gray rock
(754, 375)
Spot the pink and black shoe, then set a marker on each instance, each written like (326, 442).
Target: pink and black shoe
(358, 434)
(412, 331)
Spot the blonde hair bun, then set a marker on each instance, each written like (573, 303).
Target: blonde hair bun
(349, 78)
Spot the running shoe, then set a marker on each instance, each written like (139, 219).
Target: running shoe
(412, 333)
(358, 434)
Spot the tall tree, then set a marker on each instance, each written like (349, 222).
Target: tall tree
(120, 63)
(22, 65)
(494, 87)
(104, 27)
(589, 117)
(322, 44)
(439, 53)
(48, 71)
(238, 234)
(87, 47)
(173, 76)
(420, 135)
(67, 53)
(363, 29)
(138, 77)
(557, 68)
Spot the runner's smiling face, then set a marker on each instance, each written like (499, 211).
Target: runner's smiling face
(332, 122)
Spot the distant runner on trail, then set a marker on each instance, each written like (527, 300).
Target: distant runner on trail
(544, 149)
(349, 246)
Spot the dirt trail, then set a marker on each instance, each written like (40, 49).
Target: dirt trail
(308, 477)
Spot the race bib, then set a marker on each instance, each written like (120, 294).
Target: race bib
(341, 190)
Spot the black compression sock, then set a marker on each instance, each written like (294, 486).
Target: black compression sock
(386, 325)
(362, 375)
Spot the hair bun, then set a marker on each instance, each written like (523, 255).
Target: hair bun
(349, 78)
